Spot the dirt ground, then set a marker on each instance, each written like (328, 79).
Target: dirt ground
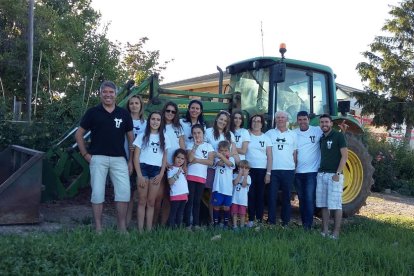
(68, 214)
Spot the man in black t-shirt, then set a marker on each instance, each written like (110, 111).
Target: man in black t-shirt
(108, 124)
(330, 179)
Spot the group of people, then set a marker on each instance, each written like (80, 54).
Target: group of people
(165, 163)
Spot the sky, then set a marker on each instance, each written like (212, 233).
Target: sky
(201, 35)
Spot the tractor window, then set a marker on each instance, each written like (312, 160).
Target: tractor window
(293, 95)
(320, 97)
(254, 89)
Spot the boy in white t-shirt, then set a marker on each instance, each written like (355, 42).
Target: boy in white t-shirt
(241, 183)
(223, 184)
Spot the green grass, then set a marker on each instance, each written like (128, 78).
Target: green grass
(366, 247)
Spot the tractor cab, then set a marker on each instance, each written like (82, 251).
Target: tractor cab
(268, 84)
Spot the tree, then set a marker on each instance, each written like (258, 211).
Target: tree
(74, 56)
(389, 72)
(139, 63)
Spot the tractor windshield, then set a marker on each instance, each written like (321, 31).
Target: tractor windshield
(301, 90)
(254, 89)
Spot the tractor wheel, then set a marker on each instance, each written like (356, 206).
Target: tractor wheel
(358, 176)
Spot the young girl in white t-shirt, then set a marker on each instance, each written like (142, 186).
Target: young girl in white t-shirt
(241, 184)
(200, 156)
(178, 188)
(150, 157)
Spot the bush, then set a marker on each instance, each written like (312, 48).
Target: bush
(394, 165)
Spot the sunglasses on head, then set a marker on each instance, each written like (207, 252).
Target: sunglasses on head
(170, 111)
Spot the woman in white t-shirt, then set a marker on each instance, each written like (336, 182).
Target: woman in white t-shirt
(193, 116)
(241, 134)
(259, 156)
(200, 156)
(150, 160)
(135, 106)
(174, 132)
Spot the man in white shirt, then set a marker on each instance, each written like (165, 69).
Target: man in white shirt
(308, 160)
(284, 146)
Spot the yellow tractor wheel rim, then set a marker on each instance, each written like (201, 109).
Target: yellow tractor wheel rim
(354, 175)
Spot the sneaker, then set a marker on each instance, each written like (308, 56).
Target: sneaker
(333, 237)
(250, 224)
(197, 228)
(323, 234)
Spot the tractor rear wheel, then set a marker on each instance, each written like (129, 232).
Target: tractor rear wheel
(358, 176)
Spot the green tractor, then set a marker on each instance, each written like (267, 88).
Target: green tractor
(259, 85)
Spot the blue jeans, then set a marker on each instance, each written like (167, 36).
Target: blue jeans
(282, 179)
(305, 184)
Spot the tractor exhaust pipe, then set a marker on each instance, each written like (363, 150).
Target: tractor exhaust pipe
(220, 88)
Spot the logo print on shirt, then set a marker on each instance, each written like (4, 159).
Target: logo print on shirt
(204, 152)
(280, 146)
(117, 122)
(238, 187)
(190, 137)
(312, 138)
(261, 144)
(155, 149)
(329, 144)
(222, 170)
(136, 130)
(177, 133)
(237, 138)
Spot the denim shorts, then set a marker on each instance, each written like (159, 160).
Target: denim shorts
(149, 171)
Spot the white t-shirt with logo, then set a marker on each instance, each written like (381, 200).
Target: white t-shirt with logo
(209, 138)
(188, 137)
(223, 178)
(256, 151)
(241, 135)
(180, 186)
(139, 127)
(173, 135)
(196, 171)
(240, 193)
(283, 146)
(151, 154)
(309, 152)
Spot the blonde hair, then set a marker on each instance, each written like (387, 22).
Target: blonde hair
(244, 164)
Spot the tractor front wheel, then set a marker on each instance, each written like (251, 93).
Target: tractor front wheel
(358, 176)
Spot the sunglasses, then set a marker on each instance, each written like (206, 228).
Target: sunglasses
(170, 111)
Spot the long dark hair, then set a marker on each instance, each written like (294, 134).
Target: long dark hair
(200, 118)
(147, 133)
(176, 121)
(232, 125)
(226, 131)
(141, 112)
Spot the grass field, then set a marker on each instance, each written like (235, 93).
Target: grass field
(381, 246)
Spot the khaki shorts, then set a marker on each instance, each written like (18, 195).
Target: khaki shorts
(329, 192)
(117, 167)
